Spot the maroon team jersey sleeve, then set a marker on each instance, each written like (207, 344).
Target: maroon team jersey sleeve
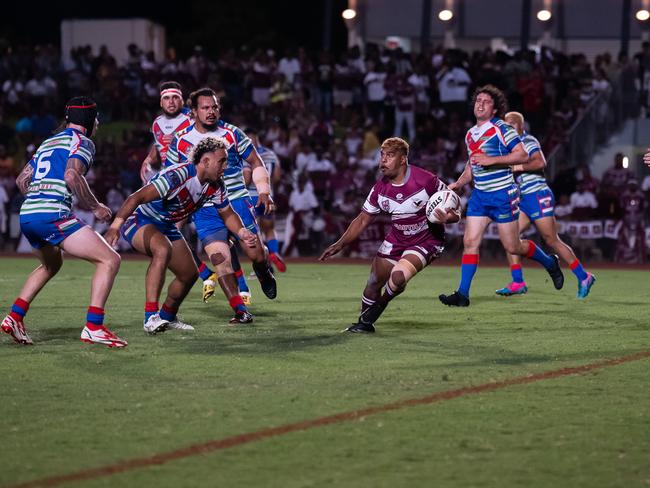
(371, 205)
(433, 184)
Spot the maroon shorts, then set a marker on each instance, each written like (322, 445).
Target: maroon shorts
(426, 249)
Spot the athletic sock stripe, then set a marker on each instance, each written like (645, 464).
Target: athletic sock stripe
(470, 259)
(531, 249)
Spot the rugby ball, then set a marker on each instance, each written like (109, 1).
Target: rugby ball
(444, 200)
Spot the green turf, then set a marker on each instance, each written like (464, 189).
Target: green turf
(68, 406)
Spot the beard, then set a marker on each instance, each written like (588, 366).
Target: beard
(173, 114)
(210, 127)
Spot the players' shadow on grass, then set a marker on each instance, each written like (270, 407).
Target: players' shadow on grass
(404, 327)
(258, 344)
(52, 334)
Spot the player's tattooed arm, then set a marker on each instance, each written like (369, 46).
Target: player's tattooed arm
(351, 234)
(25, 178)
(76, 181)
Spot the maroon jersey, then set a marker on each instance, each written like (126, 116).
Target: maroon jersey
(406, 203)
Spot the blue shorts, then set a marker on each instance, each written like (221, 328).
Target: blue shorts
(210, 226)
(538, 205)
(51, 228)
(138, 220)
(259, 211)
(502, 206)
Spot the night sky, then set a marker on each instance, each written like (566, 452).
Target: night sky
(212, 24)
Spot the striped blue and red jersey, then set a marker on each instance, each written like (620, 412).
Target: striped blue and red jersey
(182, 194)
(48, 192)
(493, 138)
(239, 148)
(531, 181)
(164, 128)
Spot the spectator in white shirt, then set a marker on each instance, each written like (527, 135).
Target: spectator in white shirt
(453, 86)
(289, 66)
(583, 202)
(375, 91)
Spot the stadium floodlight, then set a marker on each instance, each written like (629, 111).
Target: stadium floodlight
(544, 15)
(349, 14)
(445, 15)
(642, 15)
(626, 162)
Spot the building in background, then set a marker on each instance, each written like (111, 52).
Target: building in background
(115, 34)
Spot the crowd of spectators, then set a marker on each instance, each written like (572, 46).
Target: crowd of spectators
(324, 115)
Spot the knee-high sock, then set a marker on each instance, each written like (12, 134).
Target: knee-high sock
(468, 267)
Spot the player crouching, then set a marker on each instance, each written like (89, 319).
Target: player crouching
(412, 242)
(147, 219)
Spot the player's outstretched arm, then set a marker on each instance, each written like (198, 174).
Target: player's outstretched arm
(463, 179)
(24, 178)
(76, 181)
(236, 226)
(147, 193)
(351, 234)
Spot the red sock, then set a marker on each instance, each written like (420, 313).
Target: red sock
(19, 309)
(237, 303)
(95, 318)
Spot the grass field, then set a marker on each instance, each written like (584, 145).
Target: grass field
(70, 407)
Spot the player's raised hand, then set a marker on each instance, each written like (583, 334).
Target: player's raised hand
(266, 200)
(331, 251)
(247, 237)
(646, 157)
(102, 213)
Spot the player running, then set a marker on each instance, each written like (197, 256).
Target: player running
(266, 221)
(210, 227)
(50, 179)
(412, 242)
(537, 207)
(493, 147)
(147, 219)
